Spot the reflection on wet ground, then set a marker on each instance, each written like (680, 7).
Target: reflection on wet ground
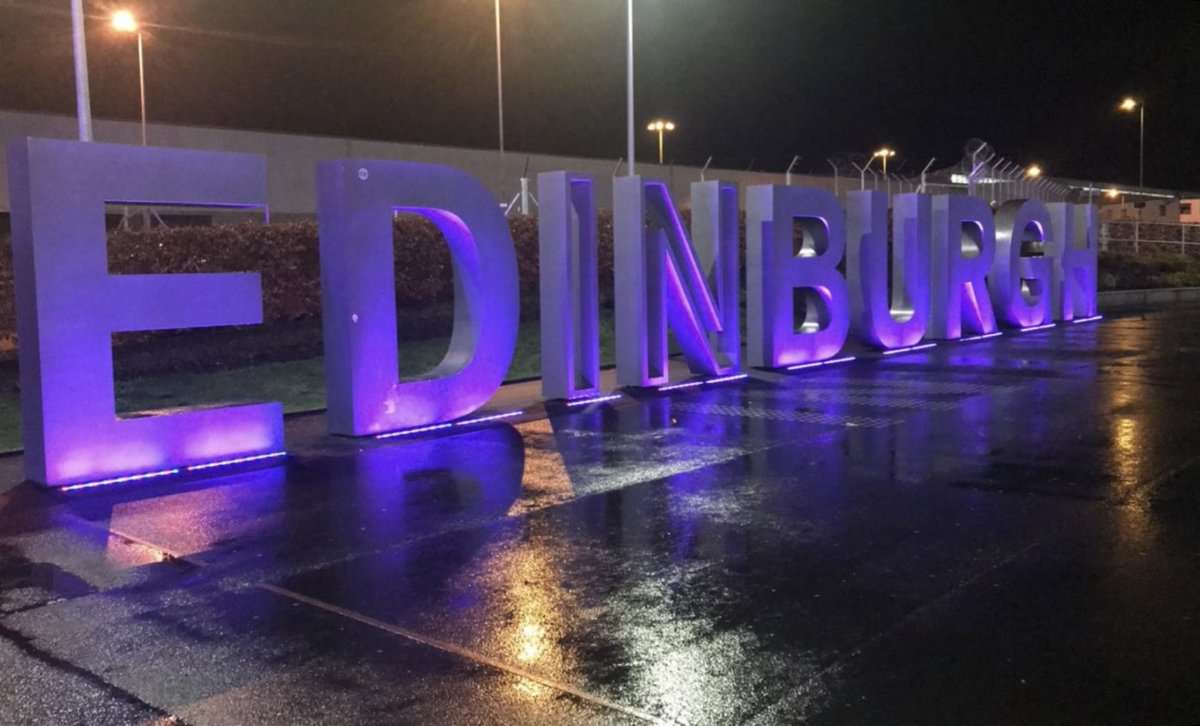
(1000, 531)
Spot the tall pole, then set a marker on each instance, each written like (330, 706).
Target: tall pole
(629, 82)
(499, 82)
(83, 101)
(660, 145)
(142, 85)
(1142, 145)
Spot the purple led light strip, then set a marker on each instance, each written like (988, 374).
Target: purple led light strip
(169, 472)
(595, 399)
(677, 386)
(1037, 327)
(910, 349)
(239, 460)
(119, 480)
(1092, 319)
(818, 364)
(439, 427)
(724, 379)
(980, 337)
(708, 382)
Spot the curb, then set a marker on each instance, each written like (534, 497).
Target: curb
(1114, 300)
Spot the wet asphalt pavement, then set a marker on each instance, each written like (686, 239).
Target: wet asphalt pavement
(998, 532)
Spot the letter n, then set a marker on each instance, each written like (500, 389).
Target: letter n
(662, 282)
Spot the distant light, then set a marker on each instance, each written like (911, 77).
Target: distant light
(1129, 104)
(1034, 171)
(123, 21)
(661, 125)
(885, 152)
(1112, 193)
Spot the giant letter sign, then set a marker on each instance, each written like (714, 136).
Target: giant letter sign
(68, 307)
(1020, 284)
(358, 201)
(881, 318)
(961, 224)
(776, 273)
(658, 279)
(569, 286)
(1073, 293)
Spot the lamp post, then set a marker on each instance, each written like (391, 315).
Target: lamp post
(885, 153)
(1033, 171)
(499, 84)
(661, 126)
(124, 22)
(83, 101)
(1129, 105)
(629, 82)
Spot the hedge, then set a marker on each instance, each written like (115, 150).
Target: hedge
(286, 255)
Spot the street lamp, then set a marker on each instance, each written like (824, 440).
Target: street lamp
(1033, 171)
(499, 83)
(661, 126)
(885, 153)
(1129, 105)
(124, 22)
(629, 139)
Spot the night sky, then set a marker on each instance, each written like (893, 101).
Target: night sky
(751, 82)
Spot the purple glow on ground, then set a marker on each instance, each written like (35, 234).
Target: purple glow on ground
(1092, 319)
(724, 379)
(1038, 327)
(818, 364)
(594, 399)
(980, 337)
(910, 349)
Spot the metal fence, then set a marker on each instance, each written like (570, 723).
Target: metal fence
(1147, 237)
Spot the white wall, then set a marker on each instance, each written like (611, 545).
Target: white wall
(291, 159)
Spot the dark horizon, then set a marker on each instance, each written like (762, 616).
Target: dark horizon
(749, 83)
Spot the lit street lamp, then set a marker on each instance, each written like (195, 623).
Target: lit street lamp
(885, 153)
(124, 22)
(660, 126)
(1129, 105)
(1033, 171)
